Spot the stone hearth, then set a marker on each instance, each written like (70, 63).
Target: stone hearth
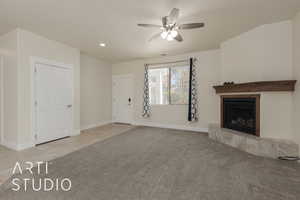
(272, 148)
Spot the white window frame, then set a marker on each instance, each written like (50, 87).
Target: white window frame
(169, 80)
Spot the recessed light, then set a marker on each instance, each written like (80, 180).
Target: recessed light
(102, 45)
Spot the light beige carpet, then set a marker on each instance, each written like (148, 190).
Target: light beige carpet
(161, 164)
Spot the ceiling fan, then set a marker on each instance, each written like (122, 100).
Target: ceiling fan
(169, 27)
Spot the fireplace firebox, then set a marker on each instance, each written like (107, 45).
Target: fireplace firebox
(241, 113)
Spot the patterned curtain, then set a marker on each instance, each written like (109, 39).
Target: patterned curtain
(193, 103)
(146, 103)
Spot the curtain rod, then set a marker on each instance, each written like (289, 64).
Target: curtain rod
(162, 63)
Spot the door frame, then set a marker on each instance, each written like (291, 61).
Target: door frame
(37, 60)
(1, 99)
(131, 76)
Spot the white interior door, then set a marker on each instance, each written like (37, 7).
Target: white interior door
(54, 99)
(123, 99)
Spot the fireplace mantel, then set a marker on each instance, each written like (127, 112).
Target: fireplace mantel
(262, 86)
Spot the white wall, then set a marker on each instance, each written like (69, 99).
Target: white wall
(264, 54)
(176, 115)
(31, 44)
(18, 47)
(296, 74)
(8, 49)
(276, 115)
(96, 88)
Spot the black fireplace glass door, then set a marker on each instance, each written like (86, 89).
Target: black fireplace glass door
(240, 114)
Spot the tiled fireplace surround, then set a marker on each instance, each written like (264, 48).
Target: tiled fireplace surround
(251, 143)
(265, 147)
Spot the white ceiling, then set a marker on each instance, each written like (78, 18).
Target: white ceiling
(85, 23)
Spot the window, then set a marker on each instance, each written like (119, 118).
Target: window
(159, 86)
(179, 92)
(169, 85)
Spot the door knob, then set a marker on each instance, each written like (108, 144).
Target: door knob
(69, 106)
(129, 100)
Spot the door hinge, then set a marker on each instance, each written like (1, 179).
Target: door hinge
(35, 136)
(35, 103)
(35, 70)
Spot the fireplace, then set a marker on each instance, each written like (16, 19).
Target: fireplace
(241, 113)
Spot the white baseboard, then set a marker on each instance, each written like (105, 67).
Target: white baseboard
(75, 132)
(170, 126)
(15, 146)
(18, 147)
(95, 125)
(25, 146)
(10, 145)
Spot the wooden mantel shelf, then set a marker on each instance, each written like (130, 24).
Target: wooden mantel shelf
(263, 86)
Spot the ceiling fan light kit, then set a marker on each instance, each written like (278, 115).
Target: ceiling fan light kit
(169, 35)
(169, 28)
(164, 34)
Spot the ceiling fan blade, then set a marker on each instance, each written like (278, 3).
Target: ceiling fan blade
(173, 16)
(191, 26)
(178, 38)
(149, 25)
(157, 35)
(164, 21)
